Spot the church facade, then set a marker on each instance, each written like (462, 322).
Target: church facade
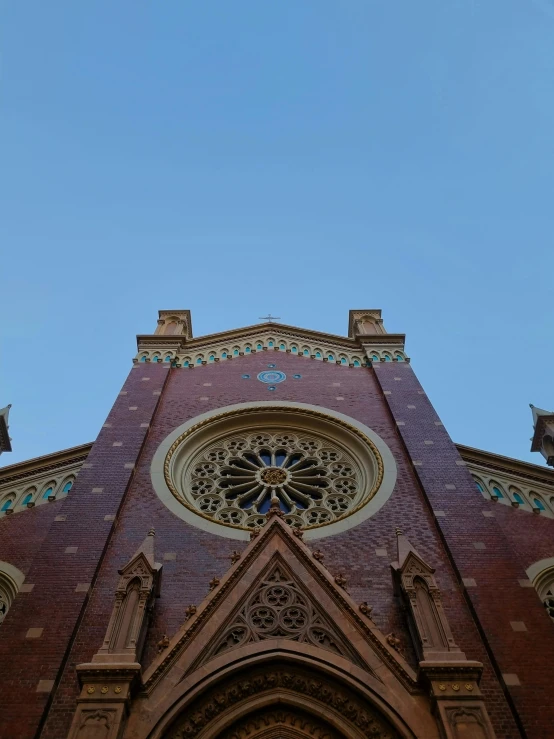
(273, 536)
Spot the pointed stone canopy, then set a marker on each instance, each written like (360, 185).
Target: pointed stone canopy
(538, 413)
(146, 548)
(107, 680)
(404, 547)
(233, 614)
(5, 441)
(543, 434)
(277, 608)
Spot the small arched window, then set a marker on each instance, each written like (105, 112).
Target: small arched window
(259, 347)
(539, 504)
(518, 499)
(168, 358)
(224, 355)
(306, 352)
(67, 487)
(7, 504)
(330, 357)
(47, 492)
(27, 499)
(155, 359)
(143, 359)
(247, 350)
(11, 580)
(270, 343)
(356, 363)
(387, 358)
(294, 349)
(343, 360)
(318, 355)
(374, 358)
(235, 352)
(399, 358)
(496, 491)
(282, 347)
(186, 363)
(199, 360)
(211, 358)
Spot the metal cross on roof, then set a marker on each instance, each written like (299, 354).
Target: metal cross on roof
(269, 318)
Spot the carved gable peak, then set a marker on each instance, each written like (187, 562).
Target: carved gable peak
(142, 561)
(277, 589)
(408, 558)
(278, 606)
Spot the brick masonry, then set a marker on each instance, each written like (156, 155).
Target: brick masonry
(31, 668)
(480, 616)
(491, 550)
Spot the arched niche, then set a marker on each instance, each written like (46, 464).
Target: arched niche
(279, 700)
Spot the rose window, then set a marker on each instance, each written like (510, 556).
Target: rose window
(234, 480)
(221, 470)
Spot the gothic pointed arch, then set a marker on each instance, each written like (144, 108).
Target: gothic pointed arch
(279, 629)
(280, 700)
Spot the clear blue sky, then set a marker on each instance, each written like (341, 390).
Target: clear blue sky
(302, 157)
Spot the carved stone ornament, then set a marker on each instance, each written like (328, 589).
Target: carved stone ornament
(96, 724)
(468, 722)
(366, 609)
(189, 612)
(288, 723)
(428, 624)
(279, 608)
(320, 697)
(134, 596)
(102, 707)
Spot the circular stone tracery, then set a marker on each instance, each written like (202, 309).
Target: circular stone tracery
(221, 470)
(314, 480)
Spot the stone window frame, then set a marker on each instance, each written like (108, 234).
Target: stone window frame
(541, 574)
(160, 470)
(11, 580)
(37, 487)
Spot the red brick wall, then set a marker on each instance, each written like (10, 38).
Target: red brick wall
(200, 555)
(53, 604)
(512, 540)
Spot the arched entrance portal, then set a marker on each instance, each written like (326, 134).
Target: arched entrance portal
(281, 701)
(281, 723)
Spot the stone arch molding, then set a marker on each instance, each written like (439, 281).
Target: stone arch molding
(11, 580)
(277, 700)
(358, 683)
(374, 460)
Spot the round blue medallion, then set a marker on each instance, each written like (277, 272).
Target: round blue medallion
(272, 376)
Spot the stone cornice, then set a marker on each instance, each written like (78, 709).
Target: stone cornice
(47, 463)
(181, 347)
(507, 465)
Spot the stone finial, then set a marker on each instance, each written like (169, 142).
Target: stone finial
(275, 508)
(214, 582)
(235, 556)
(404, 547)
(341, 580)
